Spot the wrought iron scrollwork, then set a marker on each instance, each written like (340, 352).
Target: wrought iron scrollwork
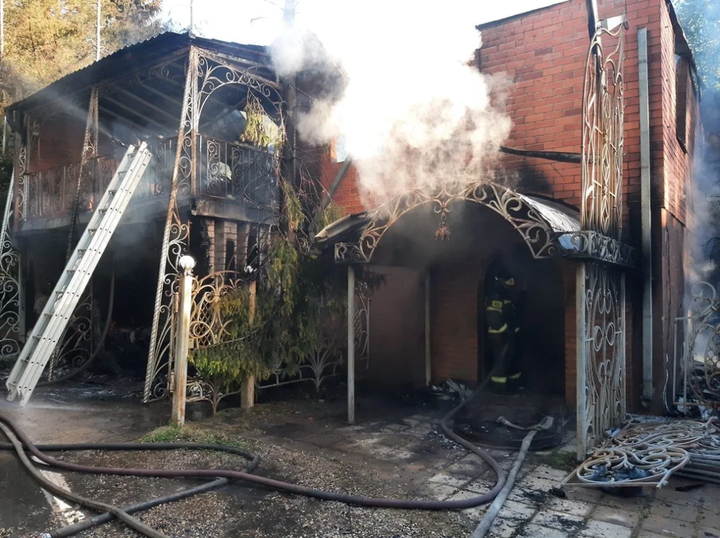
(175, 243)
(160, 358)
(80, 340)
(513, 207)
(601, 353)
(208, 328)
(698, 371)
(9, 284)
(593, 246)
(214, 72)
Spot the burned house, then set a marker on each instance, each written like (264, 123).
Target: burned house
(594, 230)
(210, 114)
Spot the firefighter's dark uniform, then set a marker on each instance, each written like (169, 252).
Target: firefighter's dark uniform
(503, 334)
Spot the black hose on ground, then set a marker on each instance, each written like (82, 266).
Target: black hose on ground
(48, 485)
(71, 530)
(260, 480)
(85, 524)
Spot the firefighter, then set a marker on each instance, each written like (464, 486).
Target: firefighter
(502, 319)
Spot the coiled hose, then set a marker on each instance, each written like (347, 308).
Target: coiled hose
(20, 442)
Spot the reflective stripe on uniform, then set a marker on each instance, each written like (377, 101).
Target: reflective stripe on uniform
(516, 376)
(517, 329)
(498, 331)
(498, 379)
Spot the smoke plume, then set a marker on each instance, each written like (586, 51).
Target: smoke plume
(700, 20)
(414, 111)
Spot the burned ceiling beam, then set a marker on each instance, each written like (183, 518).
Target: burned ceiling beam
(557, 156)
(160, 94)
(149, 105)
(136, 113)
(123, 119)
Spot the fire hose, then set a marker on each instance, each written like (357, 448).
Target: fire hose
(19, 442)
(546, 423)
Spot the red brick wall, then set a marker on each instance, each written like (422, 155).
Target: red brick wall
(397, 329)
(60, 143)
(454, 337)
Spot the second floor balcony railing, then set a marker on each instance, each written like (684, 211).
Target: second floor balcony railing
(50, 193)
(224, 170)
(236, 171)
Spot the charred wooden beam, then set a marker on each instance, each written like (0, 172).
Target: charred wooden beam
(161, 94)
(135, 113)
(558, 156)
(149, 105)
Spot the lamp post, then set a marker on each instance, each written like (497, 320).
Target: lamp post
(182, 340)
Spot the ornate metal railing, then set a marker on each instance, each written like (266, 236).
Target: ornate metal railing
(695, 374)
(231, 171)
(329, 361)
(50, 193)
(237, 171)
(601, 287)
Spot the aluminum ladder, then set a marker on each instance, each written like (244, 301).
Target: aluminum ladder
(61, 304)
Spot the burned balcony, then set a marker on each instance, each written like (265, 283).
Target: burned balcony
(226, 172)
(211, 113)
(236, 171)
(44, 199)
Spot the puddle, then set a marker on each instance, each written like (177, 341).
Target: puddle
(23, 505)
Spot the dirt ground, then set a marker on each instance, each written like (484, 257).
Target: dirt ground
(394, 450)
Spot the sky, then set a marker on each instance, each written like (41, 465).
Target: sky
(260, 21)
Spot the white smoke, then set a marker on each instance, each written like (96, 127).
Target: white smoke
(415, 112)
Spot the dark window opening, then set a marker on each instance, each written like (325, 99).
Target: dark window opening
(252, 249)
(682, 86)
(230, 255)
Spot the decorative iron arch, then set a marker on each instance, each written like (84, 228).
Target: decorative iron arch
(538, 228)
(214, 72)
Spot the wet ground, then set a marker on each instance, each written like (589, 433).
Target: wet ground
(394, 450)
(80, 412)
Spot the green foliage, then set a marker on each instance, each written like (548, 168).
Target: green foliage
(46, 39)
(299, 307)
(700, 20)
(259, 130)
(174, 434)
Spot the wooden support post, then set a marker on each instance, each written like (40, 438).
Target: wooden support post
(182, 341)
(428, 355)
(247, 389)
(351, 344)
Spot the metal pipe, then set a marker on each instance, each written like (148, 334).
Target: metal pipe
(428, 352)
(97, 37)
(351, 343)
(646, 217)
(593, 16)
(336, 182)
(557, 156)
